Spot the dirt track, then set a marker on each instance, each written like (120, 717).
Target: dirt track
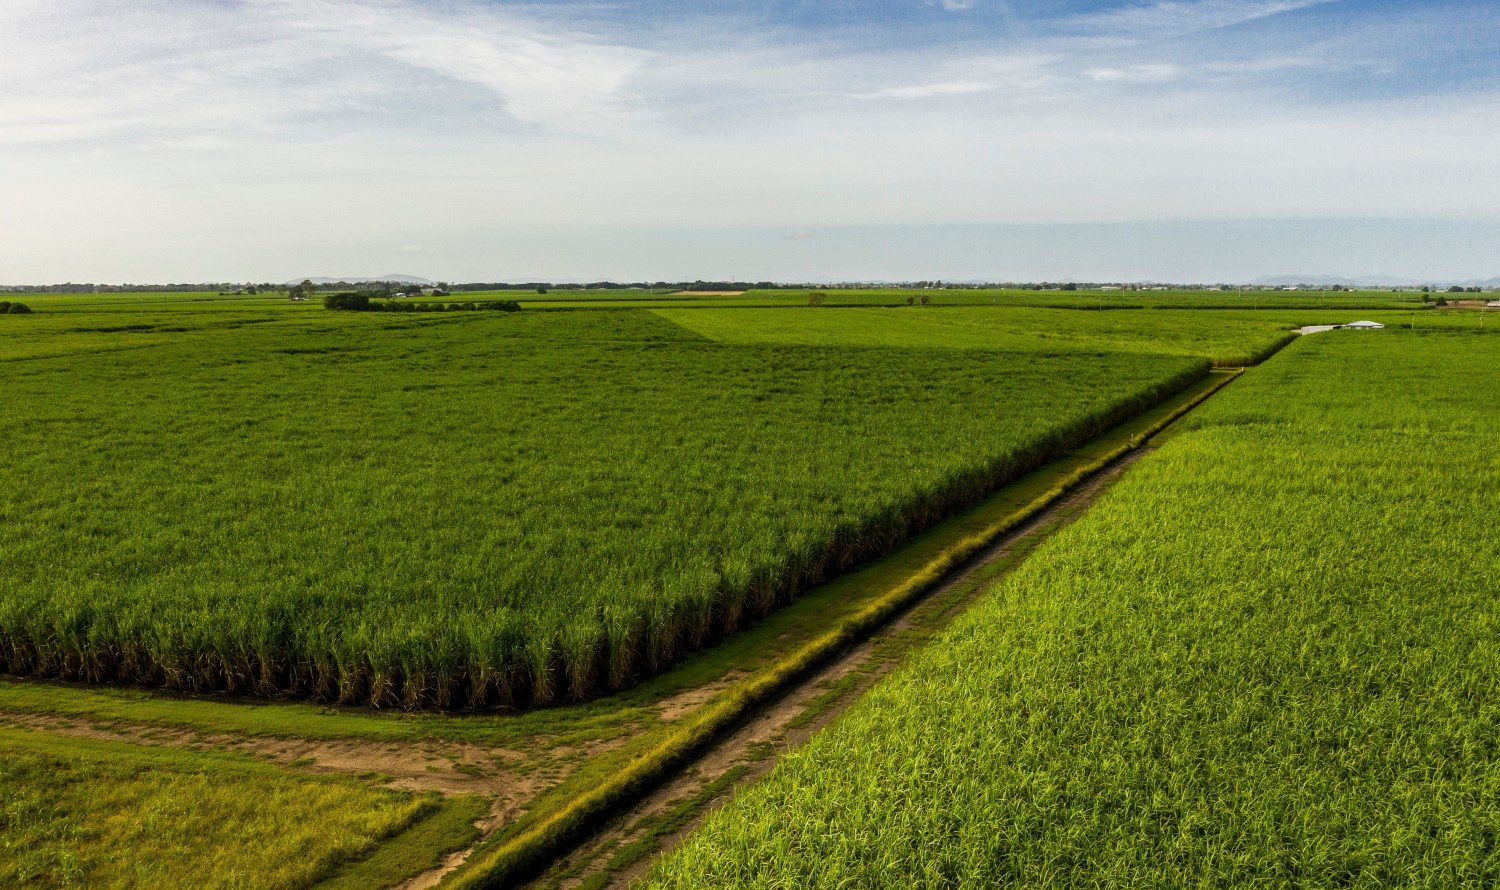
(445, 767)
(786, 723)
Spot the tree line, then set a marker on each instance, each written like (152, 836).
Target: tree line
(353, 301)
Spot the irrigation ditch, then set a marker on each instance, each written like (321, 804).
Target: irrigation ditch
(608, 834)
(622, 850)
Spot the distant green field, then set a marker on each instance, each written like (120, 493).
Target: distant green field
(478, 508)
(1095, 299)
(1269, 656)
(1014, 297)
(83, 813)
(577, 298)
(1226, 337)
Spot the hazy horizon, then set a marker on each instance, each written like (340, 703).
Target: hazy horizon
(1395, 251)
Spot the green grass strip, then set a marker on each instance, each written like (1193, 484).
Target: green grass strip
(420, 848)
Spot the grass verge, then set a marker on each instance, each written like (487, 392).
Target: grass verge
(420, 848)
(69, 806)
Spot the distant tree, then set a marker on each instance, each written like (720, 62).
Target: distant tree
(541, 290)
(816, 298)
(1070, 286)
(925, 299)
(349, 301)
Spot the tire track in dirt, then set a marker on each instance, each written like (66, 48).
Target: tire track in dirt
(444, 767)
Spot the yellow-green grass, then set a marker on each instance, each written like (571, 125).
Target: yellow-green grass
(1225, 337)
(89, 813)
(1268, 656)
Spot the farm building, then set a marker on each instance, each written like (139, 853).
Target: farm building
(1365, 325)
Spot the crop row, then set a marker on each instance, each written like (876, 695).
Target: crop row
(484, 508)
(1267, 657)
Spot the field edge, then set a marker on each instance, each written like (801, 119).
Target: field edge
(525, 849)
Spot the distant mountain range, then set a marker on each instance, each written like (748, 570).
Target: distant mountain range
(1368, 281)
(366, 279)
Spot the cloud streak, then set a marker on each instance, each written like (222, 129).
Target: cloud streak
(544, 75)
(263, 63)
(931, 90)
(1170, 18)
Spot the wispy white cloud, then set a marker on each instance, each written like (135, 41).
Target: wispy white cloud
(1180, 17)
(167, 66)
(952, 5)
(1312, 58)
(1145, 73)
(544, 75)
(930, 90)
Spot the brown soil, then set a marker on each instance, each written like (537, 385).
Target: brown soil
(445, 767)
(683, 703)
(441, 766)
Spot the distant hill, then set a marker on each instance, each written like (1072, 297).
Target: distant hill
(365, 279)
(1367, 281)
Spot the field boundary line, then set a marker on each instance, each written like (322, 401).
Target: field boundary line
(520, 857)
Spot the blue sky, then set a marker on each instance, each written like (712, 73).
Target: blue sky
(461, 139)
